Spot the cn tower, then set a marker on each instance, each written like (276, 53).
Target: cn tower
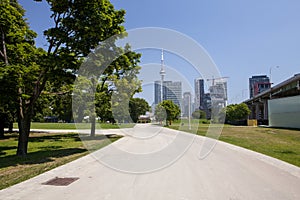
(162, 74)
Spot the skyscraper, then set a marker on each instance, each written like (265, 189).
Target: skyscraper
(258, 84)
(218, 93)
(157, 92)
(172, 91)
(199, 93)
(158, 85)
(186, 104)
(162, 74)
(207, 105)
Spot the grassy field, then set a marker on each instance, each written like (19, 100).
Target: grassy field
(71, 126)
(45, 151)
(283, 144)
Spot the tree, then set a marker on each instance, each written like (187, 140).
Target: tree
(172, 111)
(236, 112)
(18, 64)
(103, 104)
(79, 27)
(113, 80)
(138, 107)
(199, 114)
(160, 113)
(124, 89)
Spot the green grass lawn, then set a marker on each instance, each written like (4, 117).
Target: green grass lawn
(71, 126)
(283, 144)
(45, 151)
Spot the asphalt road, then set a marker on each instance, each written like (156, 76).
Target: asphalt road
(153, 163)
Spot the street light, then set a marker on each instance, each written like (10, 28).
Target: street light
(189, 112)
(244, 91)
(271, 74)
(271, 80)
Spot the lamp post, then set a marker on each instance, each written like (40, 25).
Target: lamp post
(244, 91)
(271, 80)
(189, 112)
(271, 74)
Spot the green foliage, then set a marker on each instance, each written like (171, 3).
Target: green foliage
(167, 110)
(80, 25)
(115, 85)
(138, 107)
(82, 98)
(27, 72)
(19, 60)
(125, 88)
(103, 103)
(160, 113)
(236, 112)
(199, 114)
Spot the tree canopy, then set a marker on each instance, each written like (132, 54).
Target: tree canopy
(138, 107)
(236, 112)
(19, 61)
(167, 110)
(27, 72)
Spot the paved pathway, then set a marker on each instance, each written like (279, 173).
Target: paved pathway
(83, 131)
(118, 172)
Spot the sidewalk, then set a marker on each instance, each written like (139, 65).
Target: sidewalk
(83, 131)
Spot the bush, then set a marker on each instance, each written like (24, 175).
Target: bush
(236, 112)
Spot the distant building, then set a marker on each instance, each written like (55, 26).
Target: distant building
(218, 93)
(172, 91)
(186, 104)
(258, 84)
(207, 105)
(278, 106)
(199, 93)
(157, 92)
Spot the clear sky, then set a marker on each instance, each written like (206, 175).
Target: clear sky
(243, 38)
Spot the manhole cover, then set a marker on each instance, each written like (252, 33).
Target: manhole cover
(60, 181)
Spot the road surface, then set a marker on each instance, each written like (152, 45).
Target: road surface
(153, 163)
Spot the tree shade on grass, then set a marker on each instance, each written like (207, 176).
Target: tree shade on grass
(46, 151)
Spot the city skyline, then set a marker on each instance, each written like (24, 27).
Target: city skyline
(167, 90)
(248, 37)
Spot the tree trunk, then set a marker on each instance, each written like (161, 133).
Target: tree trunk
(4, 54)
(24, 120)
(11, 126)
(1, 128)
(24, 130)
(93, 125)
(93, 111)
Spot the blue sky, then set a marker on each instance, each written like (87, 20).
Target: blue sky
(243, 38)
